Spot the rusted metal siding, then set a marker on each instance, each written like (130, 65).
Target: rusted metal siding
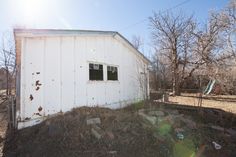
(55, 74)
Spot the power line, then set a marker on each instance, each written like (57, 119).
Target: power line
(143, 20)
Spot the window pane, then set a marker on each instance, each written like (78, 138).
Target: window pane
(112, 73)
(95, 72)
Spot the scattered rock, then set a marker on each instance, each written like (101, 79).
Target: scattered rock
(156, 113)
(112, 152)
(231, 132)
(177, 116)
(150, 119)
(96, 134)
(125, 128)
(93, 121)
(122, 133)
(110, 135)
(217, 128)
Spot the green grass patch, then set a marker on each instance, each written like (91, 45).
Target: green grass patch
(184, 148)
(138, 105)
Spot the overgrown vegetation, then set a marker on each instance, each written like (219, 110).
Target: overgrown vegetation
(151, 130)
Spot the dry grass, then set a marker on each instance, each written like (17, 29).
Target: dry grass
(224, 102)
(3, 125)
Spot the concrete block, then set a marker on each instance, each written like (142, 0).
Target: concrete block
(96, 134)
(93, 121)
(156, 113)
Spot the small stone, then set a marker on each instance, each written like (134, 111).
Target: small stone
(96, 134)
(93, 121)
(156, 113)
(151, 119)
(231, 132)
(112, 152)
(125, 128)
(217, 128)
(110, 135)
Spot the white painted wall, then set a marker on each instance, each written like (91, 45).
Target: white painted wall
(61, 65)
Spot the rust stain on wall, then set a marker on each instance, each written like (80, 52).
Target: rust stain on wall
(31, 97)
(37, 88)
(40, 109)
(37, 83)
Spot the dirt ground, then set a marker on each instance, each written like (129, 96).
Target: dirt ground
(140, 130)
(3, 125)
(224, 102)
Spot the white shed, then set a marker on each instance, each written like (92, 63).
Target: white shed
(58, 70)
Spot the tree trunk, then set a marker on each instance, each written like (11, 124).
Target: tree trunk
(176, 86)
(175, 72)
(7, 79)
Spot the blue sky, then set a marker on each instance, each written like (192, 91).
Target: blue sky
(126, 16)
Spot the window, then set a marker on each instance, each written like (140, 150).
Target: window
(112, 73)
(95, 71)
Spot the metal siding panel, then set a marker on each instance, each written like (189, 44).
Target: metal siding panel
(32, 71)
(52, 95)
(67, 73)
(81, 69)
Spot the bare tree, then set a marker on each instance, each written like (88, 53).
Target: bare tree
(160, 73)
(137, 42)
(171, 36)
(228, 17)
(7, 60)
(188, 48)
(142, 78)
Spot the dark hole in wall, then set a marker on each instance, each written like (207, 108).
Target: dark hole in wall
(31, 97)
(37, 83)
(40, 109)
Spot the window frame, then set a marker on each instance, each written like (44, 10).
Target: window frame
(117, 72)
(99, 64)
